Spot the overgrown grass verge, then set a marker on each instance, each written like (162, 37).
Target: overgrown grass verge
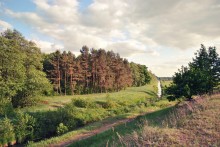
(139, 110)
(194, 123)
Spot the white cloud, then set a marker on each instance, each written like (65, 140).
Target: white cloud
(46, 46)
(4, 26)
(129, 27)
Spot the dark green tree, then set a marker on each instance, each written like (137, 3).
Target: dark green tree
(201, 77)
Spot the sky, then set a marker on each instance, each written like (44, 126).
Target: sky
(161, 34)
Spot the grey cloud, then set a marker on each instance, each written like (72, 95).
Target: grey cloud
(153, 23)
(134, 28)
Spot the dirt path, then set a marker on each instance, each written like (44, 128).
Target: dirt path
(88, 134)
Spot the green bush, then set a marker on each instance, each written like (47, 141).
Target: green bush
(6, 107)
(21, 101)
(61, 129)
(24, 126)
(110, 104)
(7, 134)
(47, 122)
(78, 102)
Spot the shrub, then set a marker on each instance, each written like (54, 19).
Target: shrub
(21, 101)
(61, 129)
(7, 134)
(110, 104)
(24, 126)
(6, 107)
(47, 122)
(78, 102)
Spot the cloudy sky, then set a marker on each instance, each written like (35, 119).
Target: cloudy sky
(162, 34)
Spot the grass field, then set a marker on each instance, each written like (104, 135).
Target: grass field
(159, 109)
(130, 94)
(136, 96)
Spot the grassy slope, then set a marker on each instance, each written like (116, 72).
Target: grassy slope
(131, 94)
(111, 136)
(194, 124)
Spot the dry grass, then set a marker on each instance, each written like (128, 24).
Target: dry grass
(194, 123)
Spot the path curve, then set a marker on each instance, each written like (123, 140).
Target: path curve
(91, 133)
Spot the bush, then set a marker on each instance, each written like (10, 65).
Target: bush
(47, 122)
(61, 129)
(78, 102)
(110, 104)
(6, 107)
(24, 127)
(7, 134)
(21, 101)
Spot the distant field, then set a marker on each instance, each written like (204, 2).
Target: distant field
(166, 82)
(130, 94)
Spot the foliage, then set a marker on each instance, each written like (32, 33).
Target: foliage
(6, 108)
(92, 71)
(202, 75)
(140, 74)
(61, 129)
(82, 103)
(24, 126)
(21, 75)
(7, 134)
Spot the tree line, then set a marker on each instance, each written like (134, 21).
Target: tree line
(200, 77)
(93, 71)
(26, 73)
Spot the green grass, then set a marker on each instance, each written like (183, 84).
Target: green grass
(111, 135)
(130, 94)
(102, 138)
(194, 123)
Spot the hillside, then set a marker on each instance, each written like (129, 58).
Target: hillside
(136, 101)
(130, 94)
(194, 123)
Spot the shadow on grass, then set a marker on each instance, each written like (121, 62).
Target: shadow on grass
(151, 93)
(110, 135)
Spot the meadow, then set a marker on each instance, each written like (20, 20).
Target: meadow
(93, 111)
(194, 123)
(130, 95)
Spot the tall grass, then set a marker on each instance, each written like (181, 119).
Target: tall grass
(194, 123)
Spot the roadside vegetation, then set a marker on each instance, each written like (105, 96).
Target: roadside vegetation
(109, 133)
(192, 123)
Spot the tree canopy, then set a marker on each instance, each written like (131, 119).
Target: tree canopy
(200, 77)
(92, 71)
(21, 75)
